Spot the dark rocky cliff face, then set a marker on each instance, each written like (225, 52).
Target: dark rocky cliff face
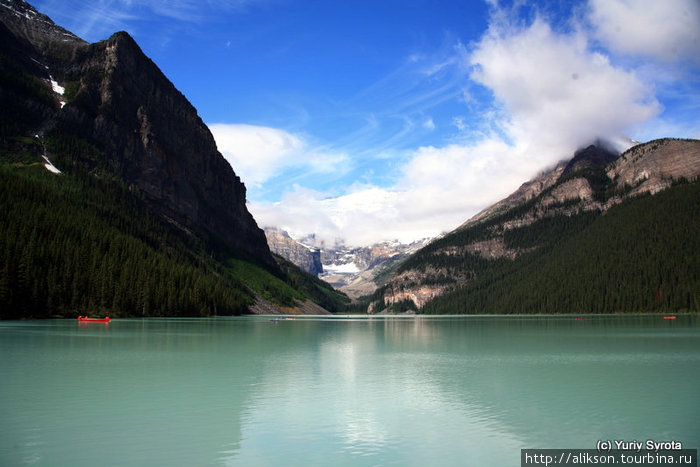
(136, 125)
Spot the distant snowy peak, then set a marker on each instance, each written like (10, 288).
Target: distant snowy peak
(348, 268)
(351, 269)
(357, 270)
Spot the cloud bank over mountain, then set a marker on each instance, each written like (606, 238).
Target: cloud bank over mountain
(537, 88)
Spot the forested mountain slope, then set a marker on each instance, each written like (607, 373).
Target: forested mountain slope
(107, 109)
(113, 195)
(618, 237)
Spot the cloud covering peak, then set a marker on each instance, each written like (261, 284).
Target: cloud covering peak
(555, 92)
(526, 94)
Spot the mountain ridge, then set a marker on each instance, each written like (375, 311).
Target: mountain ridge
(99, 133)
(594, 154)
(554, 204)
(306, 257)
(141, 129)
(354, 270)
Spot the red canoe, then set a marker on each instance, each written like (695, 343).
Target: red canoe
(85, 318)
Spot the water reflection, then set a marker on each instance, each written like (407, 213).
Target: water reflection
(472, 389)
(378, 391)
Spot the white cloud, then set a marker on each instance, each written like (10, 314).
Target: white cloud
(552, 94)
(258, 153)
(667, 30)
(438, 190)
(459, 123)
(556, 92)
(362, 216)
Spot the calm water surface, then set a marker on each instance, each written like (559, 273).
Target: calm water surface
(468, 391)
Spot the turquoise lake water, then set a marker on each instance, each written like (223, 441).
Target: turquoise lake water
(352, 391)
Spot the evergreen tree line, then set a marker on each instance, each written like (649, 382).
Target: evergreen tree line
(319, 291)
(73, 245)
(529, 236)
(639, 256)
(24, 99)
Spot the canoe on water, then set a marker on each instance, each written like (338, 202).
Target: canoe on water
(85, 318)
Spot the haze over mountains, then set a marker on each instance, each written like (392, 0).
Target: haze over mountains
(356, 271)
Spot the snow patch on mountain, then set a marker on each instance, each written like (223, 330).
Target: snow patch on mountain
(49, 166)
(58, 89)
(346, 268)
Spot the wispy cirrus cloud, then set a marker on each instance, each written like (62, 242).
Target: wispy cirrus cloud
(260, 154)
(396, 110)
(91, 20)
(96, 19)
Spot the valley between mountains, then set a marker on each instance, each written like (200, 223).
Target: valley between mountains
(115, 200)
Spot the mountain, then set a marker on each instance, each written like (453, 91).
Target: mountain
(593, 155)
(130, 121)
(109, 127)
(356, 271)
(597, 233)
(307, 258)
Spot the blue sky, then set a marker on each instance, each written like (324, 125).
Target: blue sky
(379, 120)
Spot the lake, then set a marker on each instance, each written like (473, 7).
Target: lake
(341, 391)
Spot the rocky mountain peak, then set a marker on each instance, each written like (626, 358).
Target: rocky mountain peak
(306, 257)
(653, 166)
(591, 183)
(125, 119)
(356, 271)
(599, 153)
